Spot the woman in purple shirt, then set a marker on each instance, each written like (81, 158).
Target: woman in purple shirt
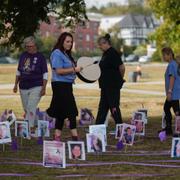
(32, 76)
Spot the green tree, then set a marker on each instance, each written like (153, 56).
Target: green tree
(113, 9)
(21, 18)
(168, 34)
(141, 50)
(117, 42)
(45, 45)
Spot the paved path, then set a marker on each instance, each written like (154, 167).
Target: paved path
(94, 86)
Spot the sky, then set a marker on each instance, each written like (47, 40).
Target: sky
(99, 3)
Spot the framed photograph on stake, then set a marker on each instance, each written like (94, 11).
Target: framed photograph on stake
(119, 128)
(175, 149)
(128, 133)
(5, 134)
(95, 143)
(99, 129)
(86, 117)
(43, 128)
(177, 124)
(76, 150)
(8, 115)
(145, 111)
(140, 127)
(138, 116)
(21, 129)
(54, 154)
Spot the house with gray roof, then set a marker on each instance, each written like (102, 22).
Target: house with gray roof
(134, 29)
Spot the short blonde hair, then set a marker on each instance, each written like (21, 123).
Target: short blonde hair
(27, 40)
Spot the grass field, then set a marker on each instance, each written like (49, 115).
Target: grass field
(146, 149)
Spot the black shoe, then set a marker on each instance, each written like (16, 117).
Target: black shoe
(175, 135)
(161, 130)
(169, 132)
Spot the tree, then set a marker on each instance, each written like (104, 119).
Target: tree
(20, 18)
(168, 32)
(134, 7)
(116, 40)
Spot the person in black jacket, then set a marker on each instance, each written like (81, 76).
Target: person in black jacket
(110, 81)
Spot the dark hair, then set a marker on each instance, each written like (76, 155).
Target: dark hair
(168, 51)
(60, 42)
(127, 129)
(99, 144)
(73, 146)
(106, 38)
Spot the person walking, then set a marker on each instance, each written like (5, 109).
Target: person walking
(172, 88)
(32, 77)
(110, 81)
(63, 105)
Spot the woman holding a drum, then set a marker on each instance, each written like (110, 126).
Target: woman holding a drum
(63, 105)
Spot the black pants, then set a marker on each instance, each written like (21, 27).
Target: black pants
(167, 110)
(109, 99)
(60, 123)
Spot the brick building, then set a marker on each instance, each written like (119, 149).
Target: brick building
(52, 29)
(86, 35)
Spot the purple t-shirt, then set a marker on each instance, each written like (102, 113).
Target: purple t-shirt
(31, 68)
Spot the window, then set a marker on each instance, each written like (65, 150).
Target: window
(80, 37)
(87, 37)
(88, 25)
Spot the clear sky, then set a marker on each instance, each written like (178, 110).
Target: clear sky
(99, 3)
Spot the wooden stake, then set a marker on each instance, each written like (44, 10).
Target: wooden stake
(3, 147)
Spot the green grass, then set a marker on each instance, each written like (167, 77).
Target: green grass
(129, 103)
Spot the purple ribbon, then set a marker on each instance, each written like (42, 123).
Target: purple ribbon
(120, 154)
(112, 175)
(15, 174)
(85, 175)
(101, 164)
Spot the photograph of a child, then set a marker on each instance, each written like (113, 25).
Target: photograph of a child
(175, 149)
(177, 124)
(98, 129)
(21, 129)
(54, 154)
(145, 111)
(86, 117)
(119, 128)
(43, 128)
(5, 134)
(76, 150)
(140, 127)
(95, 143)
(128, 134)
